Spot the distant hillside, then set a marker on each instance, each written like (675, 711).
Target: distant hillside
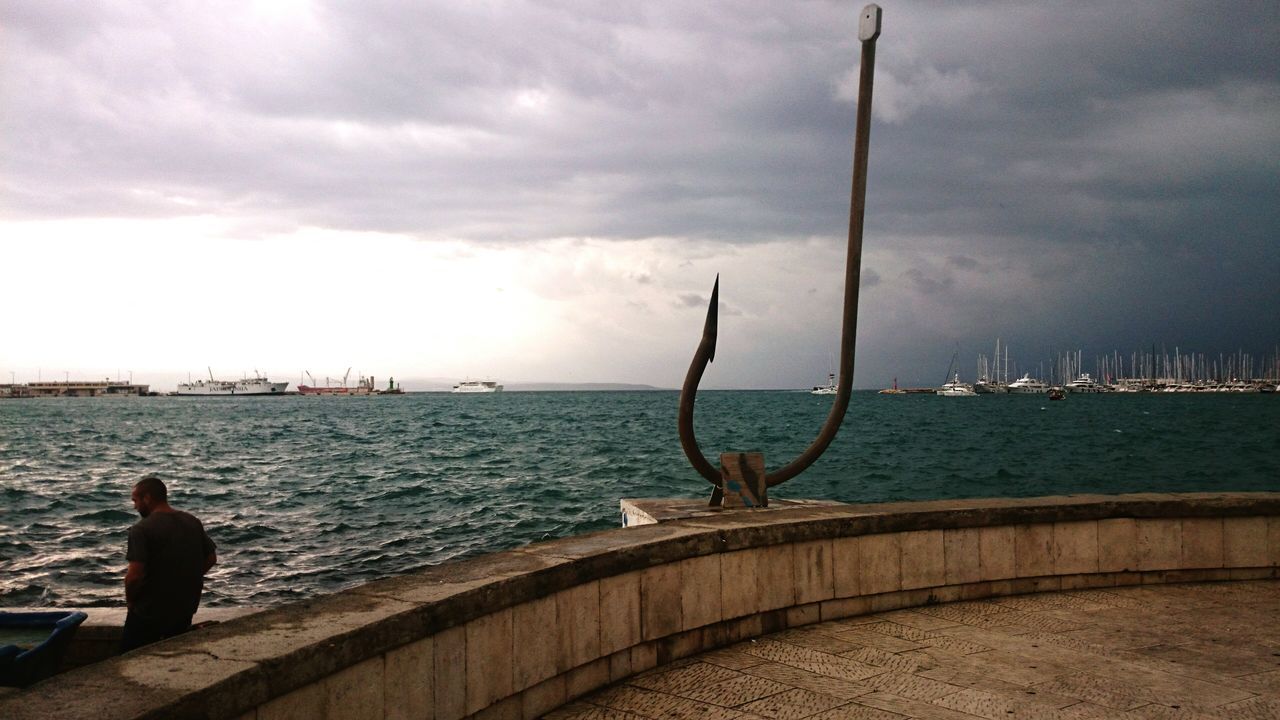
(437, 384)
(559, 386)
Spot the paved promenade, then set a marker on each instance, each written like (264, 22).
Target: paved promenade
(1206, 650)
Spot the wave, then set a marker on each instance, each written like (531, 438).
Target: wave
(106, 515)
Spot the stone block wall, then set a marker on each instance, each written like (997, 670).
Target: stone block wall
(514, 635)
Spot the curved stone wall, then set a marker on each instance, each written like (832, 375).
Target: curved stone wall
(516, 634)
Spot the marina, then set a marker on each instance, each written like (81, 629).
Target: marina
(1085, 384)
(1150, 372)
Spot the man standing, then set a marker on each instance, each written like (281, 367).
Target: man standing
(169, 554)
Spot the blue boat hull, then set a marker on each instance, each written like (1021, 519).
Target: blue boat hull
(50, 634)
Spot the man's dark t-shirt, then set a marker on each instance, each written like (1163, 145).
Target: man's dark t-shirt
(173, 547)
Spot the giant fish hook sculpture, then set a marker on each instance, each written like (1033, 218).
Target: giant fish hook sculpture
(741, 479)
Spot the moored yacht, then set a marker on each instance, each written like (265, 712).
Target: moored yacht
(1026, 385)
(955, 388)
(1084, 384)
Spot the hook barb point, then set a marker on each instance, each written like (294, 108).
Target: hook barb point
(710, 330)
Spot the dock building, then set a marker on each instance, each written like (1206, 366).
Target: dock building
(102, 388)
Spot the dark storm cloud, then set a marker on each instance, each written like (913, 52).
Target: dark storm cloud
(519, 120)
(1102, 179)
(532, 119)
(1098, 174)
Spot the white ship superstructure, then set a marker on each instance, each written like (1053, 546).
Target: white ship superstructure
(477, 386)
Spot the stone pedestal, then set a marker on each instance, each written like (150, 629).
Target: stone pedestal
(648, 511)
(742, 480)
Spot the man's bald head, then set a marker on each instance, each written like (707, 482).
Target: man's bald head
(153, 487)
(148, 494)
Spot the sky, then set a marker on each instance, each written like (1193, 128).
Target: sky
(546, 191)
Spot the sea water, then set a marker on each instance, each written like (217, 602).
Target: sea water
(305, 495)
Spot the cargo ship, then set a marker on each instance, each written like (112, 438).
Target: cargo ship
(365, 386)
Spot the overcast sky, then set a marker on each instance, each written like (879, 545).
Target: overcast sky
(536, 191)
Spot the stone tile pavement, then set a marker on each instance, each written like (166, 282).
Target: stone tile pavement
(1197, 650)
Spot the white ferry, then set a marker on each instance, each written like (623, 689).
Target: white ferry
(1025, 385)
(1084, 384)
(477, 386)
(247, 386)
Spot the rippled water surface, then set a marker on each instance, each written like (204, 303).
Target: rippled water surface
(307, 495)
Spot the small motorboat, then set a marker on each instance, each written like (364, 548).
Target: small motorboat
(1057, 394)
(32, 644)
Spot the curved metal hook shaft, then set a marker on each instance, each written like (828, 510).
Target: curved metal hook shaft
(868, 32)
(705, 354)
(852, 271)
